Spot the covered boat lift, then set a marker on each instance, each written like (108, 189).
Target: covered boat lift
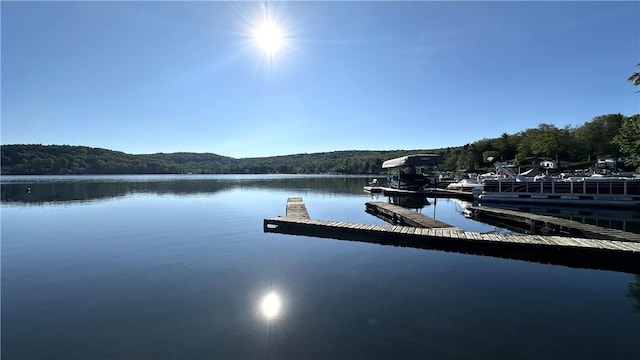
(416, 178)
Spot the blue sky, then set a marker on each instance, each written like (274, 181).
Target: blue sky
(147, 77)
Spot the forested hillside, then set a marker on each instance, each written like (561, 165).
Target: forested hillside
(64, 159)
(611, 135)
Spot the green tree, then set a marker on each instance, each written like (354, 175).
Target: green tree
(635, 77)
(628, 138)
(545, 141)
(506, 145)
(596, 135)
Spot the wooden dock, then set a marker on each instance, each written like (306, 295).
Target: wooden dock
(448, 193)
(428, 192)
(548, 225)
(397, 215)
(568, 251)
(373, 189)
(296, 209)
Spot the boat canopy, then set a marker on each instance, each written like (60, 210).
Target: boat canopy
(413, 160)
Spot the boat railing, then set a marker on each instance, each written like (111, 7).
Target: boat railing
(599, 187)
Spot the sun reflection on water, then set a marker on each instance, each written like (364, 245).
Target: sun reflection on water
(271, 306)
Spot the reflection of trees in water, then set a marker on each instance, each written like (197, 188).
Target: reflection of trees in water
(91, 189)
(42, 192)
(634, 291)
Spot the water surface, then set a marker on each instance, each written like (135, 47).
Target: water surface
(178, 266)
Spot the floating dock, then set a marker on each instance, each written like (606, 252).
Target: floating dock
(398, 215)
(296, 209)
(448, 193)
(568, 251)
(548, 225)
(428, 192)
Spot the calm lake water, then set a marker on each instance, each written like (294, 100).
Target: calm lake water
(136, 267)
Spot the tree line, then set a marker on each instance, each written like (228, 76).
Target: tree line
(612, 135)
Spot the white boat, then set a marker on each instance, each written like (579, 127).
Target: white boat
(583, 191)
(464, 185)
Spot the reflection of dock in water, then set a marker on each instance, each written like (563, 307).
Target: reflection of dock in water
(621, 219)
(548, 225)
(569, 251)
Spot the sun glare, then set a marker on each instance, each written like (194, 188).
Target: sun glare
(270, 306)
(269, 37)
(269, 33)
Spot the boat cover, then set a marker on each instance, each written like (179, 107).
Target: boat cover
(413, 160)
(532, 172)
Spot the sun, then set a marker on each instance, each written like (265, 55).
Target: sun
(269, 37)
(270, 33)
